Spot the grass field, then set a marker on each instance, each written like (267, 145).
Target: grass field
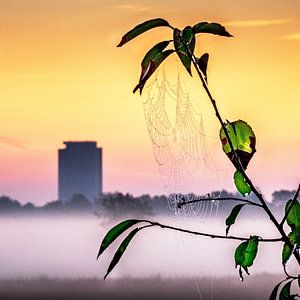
(254, 288)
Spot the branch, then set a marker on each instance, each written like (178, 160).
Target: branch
(180, 204)
(146, 226)
(240, 167)
(287, 274)
(212, 235)
(290, 207)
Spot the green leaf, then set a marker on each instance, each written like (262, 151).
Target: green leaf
(114, 232)
(245, 254)
(151, 58)
(141, 28)
(293, 209)
(213, 28)
(286, 291)
(202, 63)
(250, 252)
(241, 184)
(121, 251)
(275, 290)
(294, 237)
(152, 53)
(232, 217)
(240, 253)
(153, 64)
(286, 253)
(243, 141)
(187, 36)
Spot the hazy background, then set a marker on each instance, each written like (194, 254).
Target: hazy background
(66, 247)
(50, 251)
(62, 78)
(54, 257)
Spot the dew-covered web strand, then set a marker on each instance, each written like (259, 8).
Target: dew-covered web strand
(175, 161)
(180, 146)
(181, 150)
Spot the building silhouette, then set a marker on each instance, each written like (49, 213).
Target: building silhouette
(79, 170)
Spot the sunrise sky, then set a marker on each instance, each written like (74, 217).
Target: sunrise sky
(62, 78)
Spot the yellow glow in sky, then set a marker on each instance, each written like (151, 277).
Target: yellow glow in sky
(62, 78)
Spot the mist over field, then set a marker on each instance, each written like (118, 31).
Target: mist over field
(66, 247)
(48, 252)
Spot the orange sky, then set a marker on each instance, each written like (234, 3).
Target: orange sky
(62, 78)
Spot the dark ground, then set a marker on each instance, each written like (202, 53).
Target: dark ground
(254, 288)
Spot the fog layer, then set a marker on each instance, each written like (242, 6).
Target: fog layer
(66, 247)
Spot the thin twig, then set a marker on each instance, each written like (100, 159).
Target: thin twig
(287, 274)
(146, 226)
(180, 204)
(290, 207)
(212, 235)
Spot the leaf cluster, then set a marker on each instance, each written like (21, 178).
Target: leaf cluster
(113, 234)
(184, 42)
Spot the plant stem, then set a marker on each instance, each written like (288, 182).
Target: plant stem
(180, 204)
(287, 274)
(213, 235)
(254, 190)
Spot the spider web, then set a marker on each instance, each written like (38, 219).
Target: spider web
(180, 145)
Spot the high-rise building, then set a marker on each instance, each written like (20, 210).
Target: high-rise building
(79, 170)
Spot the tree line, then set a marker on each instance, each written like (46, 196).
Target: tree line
(115, 205)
